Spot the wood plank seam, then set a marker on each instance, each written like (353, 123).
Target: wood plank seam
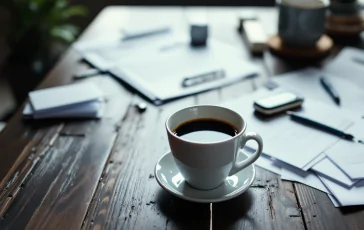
(211, 210)
(65, 160)
(126, 197)
(30, 149)
(299, 206)
(269, 195)
(270, 203)
(107, 167)
(22, 156)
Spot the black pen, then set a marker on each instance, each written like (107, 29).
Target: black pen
(305, 121)
(330, 90)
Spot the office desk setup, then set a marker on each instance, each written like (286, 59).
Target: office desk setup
(101, 172)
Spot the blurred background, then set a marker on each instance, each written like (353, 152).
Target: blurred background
(34, 33)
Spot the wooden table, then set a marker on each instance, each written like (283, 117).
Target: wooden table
(82, 174)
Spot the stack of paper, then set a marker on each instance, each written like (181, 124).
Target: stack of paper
(83, 100)
(338, 170)
(306, 155)
(283, 137)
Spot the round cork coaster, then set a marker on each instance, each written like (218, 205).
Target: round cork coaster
(345, 19)
(339, 25)
(322, 48)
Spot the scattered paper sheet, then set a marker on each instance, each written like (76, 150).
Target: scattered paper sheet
(348, 155)
(345, 196)
(306, 82)
(305, 177)
(334, 201)
(286, 140)
(349, 65)
(264, 162)
(329, 170)
(314, 161)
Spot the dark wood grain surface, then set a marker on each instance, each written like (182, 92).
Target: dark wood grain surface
(98, 174)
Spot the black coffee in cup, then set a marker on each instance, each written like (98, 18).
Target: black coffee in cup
(205, 141)
(205, 130)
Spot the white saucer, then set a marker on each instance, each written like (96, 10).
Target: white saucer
(172, 181)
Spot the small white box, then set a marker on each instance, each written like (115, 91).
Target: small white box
(255, 36)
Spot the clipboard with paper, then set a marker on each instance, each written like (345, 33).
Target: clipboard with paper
(167, 67)
(182, 70)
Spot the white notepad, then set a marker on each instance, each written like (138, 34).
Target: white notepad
(62, 96)
(92, 109)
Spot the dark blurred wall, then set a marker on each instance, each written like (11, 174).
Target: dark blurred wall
(95, 6)
(23, 73)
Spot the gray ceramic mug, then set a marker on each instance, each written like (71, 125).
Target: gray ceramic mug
(301, 22)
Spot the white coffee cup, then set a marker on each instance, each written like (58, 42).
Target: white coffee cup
(205, 165)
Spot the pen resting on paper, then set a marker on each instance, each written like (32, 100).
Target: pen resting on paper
(330, 90)
(308, 122)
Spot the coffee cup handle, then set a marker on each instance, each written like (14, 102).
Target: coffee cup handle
(238, 166)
